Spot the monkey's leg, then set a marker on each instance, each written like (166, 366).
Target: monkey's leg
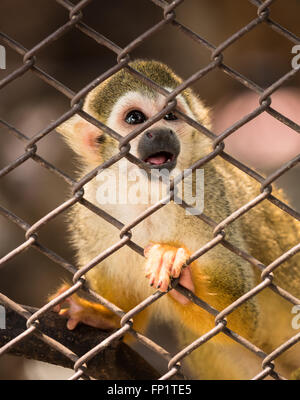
(85, 311)
(165, 262)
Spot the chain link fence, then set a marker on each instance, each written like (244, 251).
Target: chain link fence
(218, 237)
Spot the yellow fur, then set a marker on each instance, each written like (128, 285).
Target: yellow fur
(219, 276)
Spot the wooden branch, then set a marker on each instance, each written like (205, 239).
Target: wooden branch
(117, 361)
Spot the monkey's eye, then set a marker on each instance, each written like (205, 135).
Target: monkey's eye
(170, 117)
(135, 117)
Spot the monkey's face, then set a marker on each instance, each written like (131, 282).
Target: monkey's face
(124, 103)
(168, 143)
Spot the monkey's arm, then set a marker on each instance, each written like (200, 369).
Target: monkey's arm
(81, 310)
(218, 278)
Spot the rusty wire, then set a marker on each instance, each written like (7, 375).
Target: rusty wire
(75, 21)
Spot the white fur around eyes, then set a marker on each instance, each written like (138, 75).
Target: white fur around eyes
(137, 101)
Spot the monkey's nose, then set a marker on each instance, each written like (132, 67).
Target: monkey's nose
(159, 148)
(152, 134)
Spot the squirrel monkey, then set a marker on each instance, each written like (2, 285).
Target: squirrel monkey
(170, 235)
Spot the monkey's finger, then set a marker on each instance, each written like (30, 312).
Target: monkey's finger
(72, 323)
(150, 247)
(64, 312)
(164, 275)
(153, 262)
(61, 290)
(181, 256)
(57, 308)
(153, 280)
(154, 275)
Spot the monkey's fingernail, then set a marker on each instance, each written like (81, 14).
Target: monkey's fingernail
(159, 284)
(152, 281)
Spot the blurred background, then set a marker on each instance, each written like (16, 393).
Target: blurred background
(29, 104)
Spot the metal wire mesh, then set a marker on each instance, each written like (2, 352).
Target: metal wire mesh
(75, 22)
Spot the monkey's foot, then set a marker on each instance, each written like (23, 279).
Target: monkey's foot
(165, 262)
(84, 311)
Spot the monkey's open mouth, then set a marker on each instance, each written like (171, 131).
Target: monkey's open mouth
(159, 149)
(160, 158)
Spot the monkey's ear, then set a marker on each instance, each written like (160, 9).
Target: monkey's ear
(82, 137)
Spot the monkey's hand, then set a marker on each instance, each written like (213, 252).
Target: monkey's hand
(81, 310)
(165, 262)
